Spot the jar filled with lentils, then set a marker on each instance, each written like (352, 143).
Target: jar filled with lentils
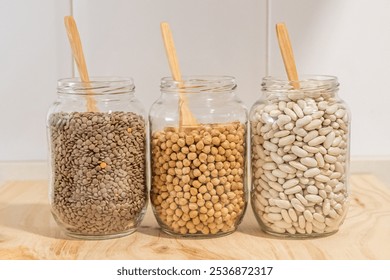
(300, 157)
(97, 158)
(198, 183)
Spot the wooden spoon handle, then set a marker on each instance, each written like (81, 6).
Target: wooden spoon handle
(78, 55)
(77, 49)
(186, 117)
(287, 54)
(171, 51)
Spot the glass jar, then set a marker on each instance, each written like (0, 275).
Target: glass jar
(300, 157)
(97, 158)
(198, 184)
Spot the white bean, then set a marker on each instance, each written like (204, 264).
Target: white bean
(270, 176)
(302, 222)
(293, 190)
(270, 146)
(274, 216)
(287, 168)
(310, 136)
(326, 207)
(298, 165)
(314, 198)
(314, 124)
(317, 141)
(303, 121)
(332, 109)
(329, 140)
(276, 186)
(279, 173)
(290, 183)
(322, 178)
(309, 228)
(299, 151)
(334, 151)
(312, 150)
(282, 120)
(302, 199)
(312, 172)
(323, 105)
(282, 203)
(286, 140)
(289, 126)
(298, 110)
(325, 130)
(300, 131)
(275, 113)
(312, 189)
(286, 216)
(281, 133)
(292, 214)
(308, 215)
(290, 113)
(320, 159)
(289, 157)
(318, 217)
(297, 205)
(330, 159)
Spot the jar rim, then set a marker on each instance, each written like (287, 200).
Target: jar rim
(96, 86)
(304, 80)
(308, 84)
(199, 83)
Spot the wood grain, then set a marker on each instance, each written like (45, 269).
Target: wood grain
(27, 231)
(287, 54)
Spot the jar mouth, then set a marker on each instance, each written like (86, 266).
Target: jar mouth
(309, 83)
(199, 83)
(96, 86)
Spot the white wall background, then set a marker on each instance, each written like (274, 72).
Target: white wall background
(349, 39)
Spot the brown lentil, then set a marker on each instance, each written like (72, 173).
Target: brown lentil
(98, 171)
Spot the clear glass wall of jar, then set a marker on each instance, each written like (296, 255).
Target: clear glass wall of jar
(300, 157)
(198, 184)
(97, 158)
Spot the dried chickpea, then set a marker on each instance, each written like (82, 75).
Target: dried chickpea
(197, 179)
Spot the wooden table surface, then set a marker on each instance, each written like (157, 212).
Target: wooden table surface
(28, 231)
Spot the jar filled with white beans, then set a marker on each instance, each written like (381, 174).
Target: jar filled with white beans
(300, 157)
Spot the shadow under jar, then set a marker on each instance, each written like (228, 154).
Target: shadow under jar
(198, 186)
(300, 157)
(97, 159)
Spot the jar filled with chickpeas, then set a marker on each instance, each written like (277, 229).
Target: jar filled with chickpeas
(300, 135)
(198, 184)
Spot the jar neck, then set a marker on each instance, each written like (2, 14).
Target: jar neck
(97, 87)
(207, 85)
(308, 86)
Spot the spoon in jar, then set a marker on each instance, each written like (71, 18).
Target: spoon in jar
(78, 55)
(287, 54)
(186, 118)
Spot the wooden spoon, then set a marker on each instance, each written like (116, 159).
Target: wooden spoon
(78, 55)
(186, 117)
(287, 54)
